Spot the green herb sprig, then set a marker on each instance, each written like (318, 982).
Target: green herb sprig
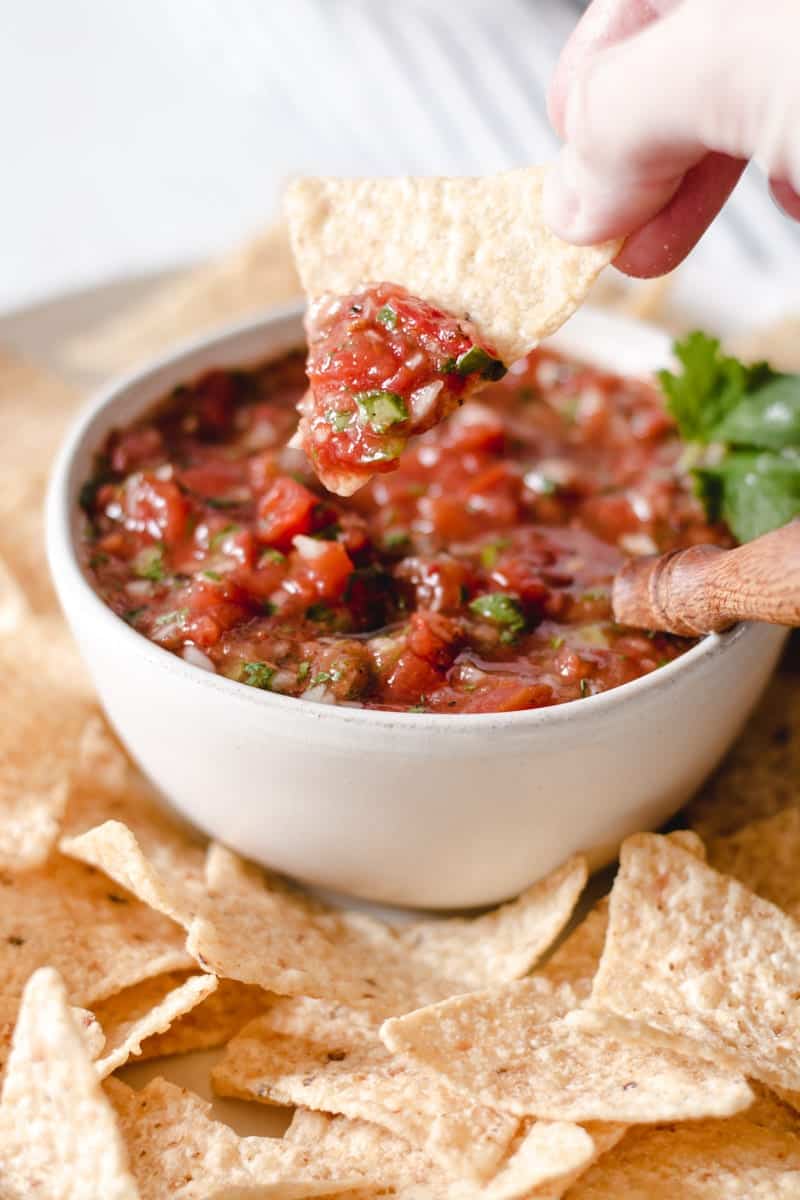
(743, 426)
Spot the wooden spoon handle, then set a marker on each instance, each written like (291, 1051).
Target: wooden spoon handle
(705, 589)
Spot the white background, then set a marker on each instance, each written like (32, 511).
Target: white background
(143, 133)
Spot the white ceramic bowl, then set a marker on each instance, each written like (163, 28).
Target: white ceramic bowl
(411, 809)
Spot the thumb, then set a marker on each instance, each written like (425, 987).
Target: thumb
(713, 75)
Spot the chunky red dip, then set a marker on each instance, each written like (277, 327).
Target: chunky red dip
(474, 578)
(382, 367)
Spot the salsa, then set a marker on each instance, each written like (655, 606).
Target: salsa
(382, 367)
(473, 578)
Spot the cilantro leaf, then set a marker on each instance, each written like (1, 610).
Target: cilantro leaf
(752, 492)
(710, 385)
(750, 416)
(768, 418)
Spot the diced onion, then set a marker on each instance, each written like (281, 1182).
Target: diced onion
(196, 658)
(637, 543)
(319, 693)
(424, 398)
(308, 547)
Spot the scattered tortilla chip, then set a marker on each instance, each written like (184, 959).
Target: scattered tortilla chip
(99, 938)
(117, 822)
(129, 1017)
(44, 708)
(15, 610)
(471, 246)
(761, 775)
(703, 1160)
(254, 277)
(58, 1135)
(696, 955)
(212, 1023)
(177, 1150)
(543, 1153)
(341, 1066)
(515, 1048)
(765, 857)
(35, 408)
(259, 933)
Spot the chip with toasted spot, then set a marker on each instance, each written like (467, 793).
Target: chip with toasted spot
(45, 704)
(211, 1023)
(58, 1134)
(697, 955)
(471, 246)
(98, 937)
(261, 933)
(142, 1011)
(515, 1048)
(765, 857)
(176, 1149)
(697, 1160)
(339, 1065)
(545, 1156)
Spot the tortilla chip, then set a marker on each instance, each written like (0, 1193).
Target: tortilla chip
(258, 932)
(476, 247)
(696, 955)
(255, 276)
(44, 708)
(515, 1048)
(703, 1160)
(761, 775)
(35, 408)
(177, 1150)
(142, 1011)
(212, 1023)
(117, 822)
(100, 939)
(543, 1153)
(58, 1136)
(765, 857)
(341, 1066)
(15, 609)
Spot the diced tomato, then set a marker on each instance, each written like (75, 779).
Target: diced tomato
(410, 679)
(434, 637)
(215, 478)
(505, 693)
(156, 507)
(323, 573)
(213, 608)
(214, 396)
(135, 448)
(285, 511)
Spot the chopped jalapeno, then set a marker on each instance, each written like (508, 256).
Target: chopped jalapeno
(387, 316)
(338, 419)
(477, 361)
(381, 409)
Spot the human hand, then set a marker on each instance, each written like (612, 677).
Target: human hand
(661, 103)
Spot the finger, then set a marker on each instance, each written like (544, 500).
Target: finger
(604, 23)
(663, 242)
(786, 197)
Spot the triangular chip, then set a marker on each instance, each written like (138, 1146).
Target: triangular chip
(341, 1066)
(697, 1160)
(765, 857)
(470, 246)
(260, 933)
(515, 1048)
(176, 1149)
(698, 956)
(143, 1011)
(116, 821)
(543, 1153)
(58, 1135)
(98, 937)
(211, 1023)
(45, 704)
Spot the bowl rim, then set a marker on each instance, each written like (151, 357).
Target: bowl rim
(66, 570)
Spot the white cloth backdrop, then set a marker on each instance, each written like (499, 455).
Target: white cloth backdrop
(143, 133)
